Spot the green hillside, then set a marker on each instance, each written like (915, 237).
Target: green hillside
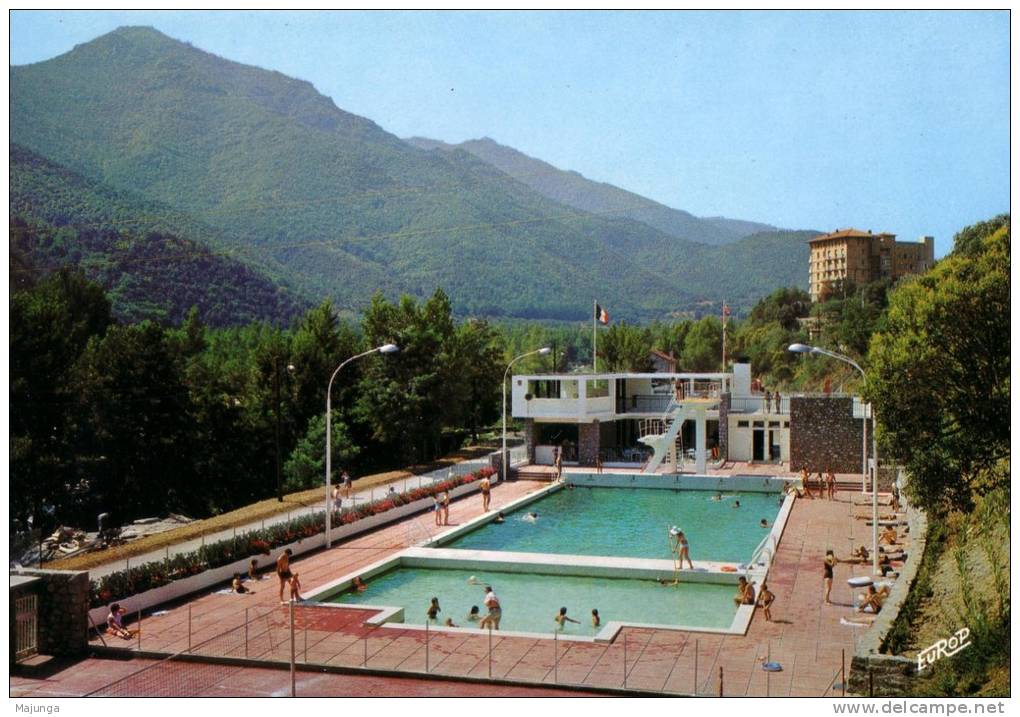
(143, 253)
(576, 191)
(335, 206)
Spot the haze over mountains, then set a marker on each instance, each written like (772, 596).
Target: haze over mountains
(260, 166)
(576, 191)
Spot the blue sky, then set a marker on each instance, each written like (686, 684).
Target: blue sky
(890, 121)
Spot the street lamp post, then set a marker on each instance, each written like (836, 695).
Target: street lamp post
(805, 349)
(541, 352)
(276, 392)
(385, 349)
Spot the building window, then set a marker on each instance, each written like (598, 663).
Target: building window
(742, 424)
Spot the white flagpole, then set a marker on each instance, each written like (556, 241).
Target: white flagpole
(594, 338)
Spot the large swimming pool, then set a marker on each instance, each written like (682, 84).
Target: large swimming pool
(632, 522)
(530, 602)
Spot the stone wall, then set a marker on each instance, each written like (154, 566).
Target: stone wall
(529, 438)
(881, 675)
(588, 443)
(824, 435)
(63, 611)
(724, 426)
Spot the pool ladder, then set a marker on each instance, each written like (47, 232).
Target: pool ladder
(766, 548)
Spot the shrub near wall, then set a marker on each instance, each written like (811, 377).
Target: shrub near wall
(125, 583)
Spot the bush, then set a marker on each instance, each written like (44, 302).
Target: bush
(125, 583)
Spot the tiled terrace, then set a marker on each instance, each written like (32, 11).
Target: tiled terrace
(806, 636)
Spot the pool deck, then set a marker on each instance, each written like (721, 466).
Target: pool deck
(806, 637)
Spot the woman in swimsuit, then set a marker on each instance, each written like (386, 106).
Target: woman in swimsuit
(830, 562)
(684, 552)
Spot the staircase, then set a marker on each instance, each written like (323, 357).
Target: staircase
(660, 433)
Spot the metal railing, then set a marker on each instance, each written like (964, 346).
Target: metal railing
(756, 404)
(26, 620)
(311, 637)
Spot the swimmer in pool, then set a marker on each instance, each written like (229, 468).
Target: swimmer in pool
(562, 618)
(434, 609)
(499, 518)
(763, 524)
(717, 497)
(530, 517)
(736, 504)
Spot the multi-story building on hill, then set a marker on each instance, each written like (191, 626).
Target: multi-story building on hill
(859, 257)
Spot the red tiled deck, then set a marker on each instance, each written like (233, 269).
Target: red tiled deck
(80, 678)
(806, 636)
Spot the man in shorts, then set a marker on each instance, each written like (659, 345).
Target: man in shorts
(283, 570)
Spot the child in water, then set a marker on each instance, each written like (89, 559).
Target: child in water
(434, 609)
(562, 618)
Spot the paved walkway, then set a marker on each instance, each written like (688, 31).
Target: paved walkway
(358, 497)
(806, 637)
(76, 679)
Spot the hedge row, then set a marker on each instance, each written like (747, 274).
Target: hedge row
(137, 579)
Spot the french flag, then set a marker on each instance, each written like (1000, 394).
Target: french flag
(601, 315)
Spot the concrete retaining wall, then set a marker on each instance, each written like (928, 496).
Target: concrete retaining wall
(210, 578)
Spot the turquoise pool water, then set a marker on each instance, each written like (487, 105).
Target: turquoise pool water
(632, 522)
(531, 601)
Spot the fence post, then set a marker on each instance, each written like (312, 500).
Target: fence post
(189, 627)
(625, 660)
(490, 650)
(696, 668)
(720, 681)
(426, 647)
(246, 633)
(556, 659)
(127, 564)
(293, 669)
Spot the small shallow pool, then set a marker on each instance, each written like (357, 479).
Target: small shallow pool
(631, 522)
(531, 601)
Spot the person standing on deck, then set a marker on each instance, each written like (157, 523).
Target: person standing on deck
(558, 463)
(486, 488)
(283, 570)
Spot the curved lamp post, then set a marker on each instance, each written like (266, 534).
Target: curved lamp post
(541, 352)
(805, 349)
(385, 349)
